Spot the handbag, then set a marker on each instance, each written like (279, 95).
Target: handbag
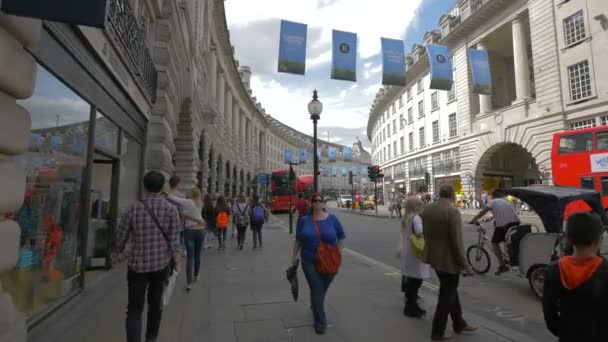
(417, 242)
(172, 274)
(328, 258)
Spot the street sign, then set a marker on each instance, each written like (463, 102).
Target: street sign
(76, 12)
(263, 178)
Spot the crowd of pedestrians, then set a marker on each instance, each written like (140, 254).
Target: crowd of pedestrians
(166, 227)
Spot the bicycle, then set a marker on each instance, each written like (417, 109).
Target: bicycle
(477, 254)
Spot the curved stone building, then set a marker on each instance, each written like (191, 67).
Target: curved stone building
(546, 78)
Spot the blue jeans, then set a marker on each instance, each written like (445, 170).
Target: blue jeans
(318, 284)
(194, 242)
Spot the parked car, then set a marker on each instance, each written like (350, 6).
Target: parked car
(344, 201)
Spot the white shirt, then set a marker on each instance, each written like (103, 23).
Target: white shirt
(503, 211)
(188, 207)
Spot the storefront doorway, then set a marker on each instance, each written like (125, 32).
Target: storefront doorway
(103, 220)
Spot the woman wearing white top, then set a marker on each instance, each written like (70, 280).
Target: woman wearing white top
(194, 233)
(413, 269)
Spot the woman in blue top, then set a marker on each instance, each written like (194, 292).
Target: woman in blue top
(306, 244)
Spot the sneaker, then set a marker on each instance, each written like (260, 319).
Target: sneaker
(254, 246)
(196, 279)
(188, 288)
(241, 247)
(501, 269)
(467, 330)
(320, 328)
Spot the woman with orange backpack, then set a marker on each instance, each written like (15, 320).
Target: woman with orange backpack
(222, 221)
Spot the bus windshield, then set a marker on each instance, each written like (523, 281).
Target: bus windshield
(280, 184)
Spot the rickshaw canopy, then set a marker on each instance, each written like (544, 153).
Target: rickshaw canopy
(550, 202)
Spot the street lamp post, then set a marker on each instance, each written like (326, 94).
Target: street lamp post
(315, 107)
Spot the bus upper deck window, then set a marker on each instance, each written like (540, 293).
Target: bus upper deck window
(582, 142)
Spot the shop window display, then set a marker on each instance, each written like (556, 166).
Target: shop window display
(48, 265)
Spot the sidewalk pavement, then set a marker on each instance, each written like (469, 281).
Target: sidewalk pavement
(243, 296)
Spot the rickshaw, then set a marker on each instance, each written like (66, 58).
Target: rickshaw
(533, 251)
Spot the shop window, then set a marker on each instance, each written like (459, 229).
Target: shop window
(130, 173)
(106, 134)
(47, 269)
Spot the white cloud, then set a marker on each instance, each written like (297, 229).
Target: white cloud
(254, 30)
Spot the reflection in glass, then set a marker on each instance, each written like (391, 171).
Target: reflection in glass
(130, 163)
(48, 264)
(106, 134)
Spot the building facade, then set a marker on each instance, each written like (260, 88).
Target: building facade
(547, 77)
(86, 112)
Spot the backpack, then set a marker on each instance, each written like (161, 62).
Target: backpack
(222, 220)
(259, 214)
(242, 219)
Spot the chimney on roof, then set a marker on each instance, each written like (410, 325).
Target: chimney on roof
(245, 72)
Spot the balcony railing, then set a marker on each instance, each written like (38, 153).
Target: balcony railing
(446, 166)
(132, 39)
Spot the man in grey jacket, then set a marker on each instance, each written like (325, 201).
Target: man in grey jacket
(445, 253)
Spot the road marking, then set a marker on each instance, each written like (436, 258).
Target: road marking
(391, 270)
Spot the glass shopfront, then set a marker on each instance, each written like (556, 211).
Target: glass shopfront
(74, 195)
(48, 267)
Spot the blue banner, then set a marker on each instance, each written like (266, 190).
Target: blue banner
(344, 172)
(332, 154)
(344, 56)
(364, 171)
(393, 62)
(325, 172)
(292, 48)
(480, 71)
(354, 169)
(441, 67)
(303, 156)
(348, 153)
(287, 156)
(319, 154)
(334, 171)
(263, 178)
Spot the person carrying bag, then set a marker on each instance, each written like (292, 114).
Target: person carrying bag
(319, 238)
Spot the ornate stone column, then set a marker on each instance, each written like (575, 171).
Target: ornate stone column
(16, 83)
(485, 101)
(520, 60)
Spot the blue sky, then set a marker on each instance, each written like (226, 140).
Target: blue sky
(254, 31)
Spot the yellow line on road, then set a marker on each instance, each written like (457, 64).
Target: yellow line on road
(391, 270)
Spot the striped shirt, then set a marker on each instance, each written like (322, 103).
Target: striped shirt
(148, 250)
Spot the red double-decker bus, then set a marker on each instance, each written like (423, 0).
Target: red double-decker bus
(279, 185)
(579, 158)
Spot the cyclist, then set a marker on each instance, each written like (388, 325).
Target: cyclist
(505, 217)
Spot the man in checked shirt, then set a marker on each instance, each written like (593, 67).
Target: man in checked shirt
(149, 254)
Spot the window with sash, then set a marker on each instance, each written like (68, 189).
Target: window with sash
(435, 131)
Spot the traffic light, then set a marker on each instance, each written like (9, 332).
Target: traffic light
(350, 177)
(370, 172)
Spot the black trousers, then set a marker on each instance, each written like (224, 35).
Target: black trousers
(154, 283)
(411, 287)
(241, 233)
(448, 304)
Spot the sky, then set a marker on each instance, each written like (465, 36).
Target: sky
(254, 31)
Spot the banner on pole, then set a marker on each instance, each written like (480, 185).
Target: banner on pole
(325, 172)
(334, 171)
(303, 155)
(344, 172)
(344, 56)
(287, 156)
(479, 62)
(354, 169)
(332, 154)
(348, 153)
(393, 62)
(441, 67)
(319, 154)
(292, 48)
(364, 171)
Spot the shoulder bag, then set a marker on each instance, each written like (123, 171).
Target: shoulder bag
(328, 258)
(417, 242)
(172, 274)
